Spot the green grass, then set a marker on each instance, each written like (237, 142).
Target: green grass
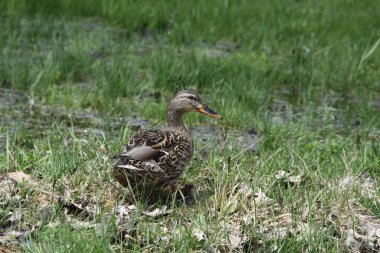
(304, 74)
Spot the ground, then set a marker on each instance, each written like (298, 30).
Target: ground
(293, 166)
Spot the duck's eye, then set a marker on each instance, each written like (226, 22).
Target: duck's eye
(192, 97)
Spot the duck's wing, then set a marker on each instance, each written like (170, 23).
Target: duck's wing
(150, 145)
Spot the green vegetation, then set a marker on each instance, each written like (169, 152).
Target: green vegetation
(303, 74)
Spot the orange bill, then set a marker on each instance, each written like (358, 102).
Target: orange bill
(208, 111)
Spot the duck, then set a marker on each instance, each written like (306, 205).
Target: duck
(156, 159)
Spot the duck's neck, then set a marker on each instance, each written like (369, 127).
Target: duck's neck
(175, 119)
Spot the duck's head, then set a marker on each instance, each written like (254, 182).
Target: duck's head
(188, 101)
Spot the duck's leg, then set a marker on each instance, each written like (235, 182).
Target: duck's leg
(173, 188)
(187, 194)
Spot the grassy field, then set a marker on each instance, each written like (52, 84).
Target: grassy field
(294, 166)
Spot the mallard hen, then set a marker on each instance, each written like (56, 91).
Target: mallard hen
(156, 159)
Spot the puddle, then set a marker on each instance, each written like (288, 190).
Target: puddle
(376, 103)
(138, 123)
(17, 111)
(281, 112)
(10, 97)
(211, 135)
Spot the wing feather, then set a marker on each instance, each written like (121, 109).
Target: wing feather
(149, 145)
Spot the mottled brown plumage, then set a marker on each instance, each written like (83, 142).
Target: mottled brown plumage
(156, 159)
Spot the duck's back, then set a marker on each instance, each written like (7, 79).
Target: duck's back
(157, 157)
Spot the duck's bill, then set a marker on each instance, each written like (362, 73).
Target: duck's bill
(208, 111)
